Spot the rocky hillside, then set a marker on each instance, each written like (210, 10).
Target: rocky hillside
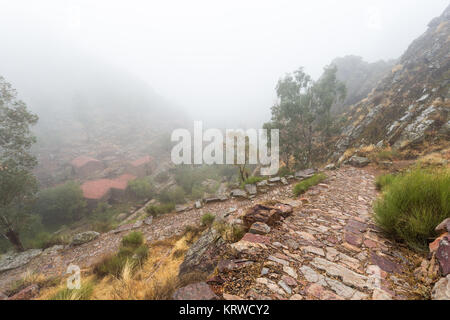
(410, 105)
(359, 76)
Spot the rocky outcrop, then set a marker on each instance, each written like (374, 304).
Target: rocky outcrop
(202, 256)
(14, 260)
(410, 105)
(266, 214)
(84, 237)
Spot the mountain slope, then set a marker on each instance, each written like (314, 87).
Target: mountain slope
(410, 106)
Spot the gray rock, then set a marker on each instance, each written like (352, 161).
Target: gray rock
(275, 180)
(331, 166)
(251, 189)
(202, 255)
(14, 260)
(238, 193)
(211, 200)
(303, 174)
(84, 237)
(284, 181)
(182, 208)
(198, 204)
(348, 277)
(148, 221)
(263, 183)
(259, 228)
(443, 227)
(441, 290)
(358, 161)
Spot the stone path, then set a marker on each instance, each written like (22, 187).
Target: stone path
(327, 249)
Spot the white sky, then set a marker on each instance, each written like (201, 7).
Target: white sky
(218, 59)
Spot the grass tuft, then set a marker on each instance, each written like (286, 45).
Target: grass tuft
(208, 219)
(413, 204)
(303, 186)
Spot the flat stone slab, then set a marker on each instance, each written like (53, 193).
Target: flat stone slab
(195, 291)
(384, 263)
(14, 260)
(259, 228)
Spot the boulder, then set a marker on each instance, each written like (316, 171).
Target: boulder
(251, 189)
(443, 255)
(443, 227)
(275, 180)
(259, 228)
(195, 291)
(238, 193)
(284, 181)
(198, 204)
(211, 200)
(263, 183)
(331, 166)
(266, 214)
(14, 260)
(181, 208)
(84, 237)
(203, 254)
(303, 174)
(441, 290)
(148, 221)
(359, 162)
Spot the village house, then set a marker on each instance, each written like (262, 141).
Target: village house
(106, 190)
(85, 167)
(141, 167)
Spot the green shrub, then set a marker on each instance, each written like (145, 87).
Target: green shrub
(252, 180)
(208, 219)
(133, 240)
(162, 177)
(156, 210)
(383, 181)
(413, 205)
(132, 250)
(304, 185)
(174, 195)
(141, 188)
(284, 171)
(84, 293)
(141, 253)
(60, 204)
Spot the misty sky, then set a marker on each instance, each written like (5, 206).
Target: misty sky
(218, 59)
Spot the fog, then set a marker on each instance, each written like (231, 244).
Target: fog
(217, 61)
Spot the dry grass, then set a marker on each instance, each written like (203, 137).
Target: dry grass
(157, 279)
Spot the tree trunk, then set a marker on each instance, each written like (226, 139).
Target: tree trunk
(14, 238)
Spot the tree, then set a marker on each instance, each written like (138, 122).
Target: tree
(293, 115)
(328, 90)
(302, 111)
(60, 204)
(17, 183)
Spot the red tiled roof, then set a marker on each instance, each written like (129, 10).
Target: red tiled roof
(82, 160)
(96, 189)
(141, 161)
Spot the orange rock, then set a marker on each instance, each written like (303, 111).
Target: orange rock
(435, 244)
